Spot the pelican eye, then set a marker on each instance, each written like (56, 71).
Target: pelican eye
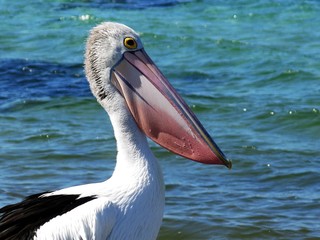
(130, 43)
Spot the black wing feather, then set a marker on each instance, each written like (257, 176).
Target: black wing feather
(21, 220)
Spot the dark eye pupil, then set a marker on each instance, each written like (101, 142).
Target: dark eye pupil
(130, 42)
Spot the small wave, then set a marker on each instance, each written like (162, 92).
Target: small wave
(121, 4)
(26, 79)
(14, 105)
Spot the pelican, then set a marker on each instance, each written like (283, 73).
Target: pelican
(141, 103)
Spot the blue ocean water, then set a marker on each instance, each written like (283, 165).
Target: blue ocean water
(250, 70)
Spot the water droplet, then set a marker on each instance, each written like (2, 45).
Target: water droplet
(26, 69)
(84, 17)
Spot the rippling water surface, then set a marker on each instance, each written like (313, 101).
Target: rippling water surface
(249, 69)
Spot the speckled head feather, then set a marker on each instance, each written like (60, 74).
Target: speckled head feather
(104, 50)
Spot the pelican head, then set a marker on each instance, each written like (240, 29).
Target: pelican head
(119, 70)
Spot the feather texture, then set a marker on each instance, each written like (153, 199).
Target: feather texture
(21, 220)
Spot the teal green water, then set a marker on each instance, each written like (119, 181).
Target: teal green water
(250, 70)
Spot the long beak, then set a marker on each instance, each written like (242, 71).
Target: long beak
(160, 111)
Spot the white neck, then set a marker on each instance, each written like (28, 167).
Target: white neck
(137, 181)
(135, 158)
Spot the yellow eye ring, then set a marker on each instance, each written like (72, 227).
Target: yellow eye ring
(130, 43)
